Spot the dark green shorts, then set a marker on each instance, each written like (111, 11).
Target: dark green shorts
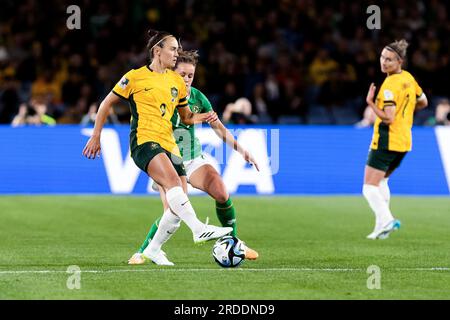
(144, 153)
(385, 160)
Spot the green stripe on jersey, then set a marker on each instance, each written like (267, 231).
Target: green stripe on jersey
(383, 141)
(133, 123)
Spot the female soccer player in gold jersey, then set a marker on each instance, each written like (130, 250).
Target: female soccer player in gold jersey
(153, 92)
(200, 172)
(397, 100)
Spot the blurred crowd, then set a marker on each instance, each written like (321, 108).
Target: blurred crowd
(286, 61)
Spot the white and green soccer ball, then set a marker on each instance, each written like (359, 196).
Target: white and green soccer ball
(229, 252)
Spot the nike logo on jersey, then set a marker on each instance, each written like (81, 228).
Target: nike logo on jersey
(184, 203)
(148, 89)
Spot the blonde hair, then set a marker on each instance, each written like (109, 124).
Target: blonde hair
(399, 47)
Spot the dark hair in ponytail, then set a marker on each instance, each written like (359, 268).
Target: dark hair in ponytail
(157, 38)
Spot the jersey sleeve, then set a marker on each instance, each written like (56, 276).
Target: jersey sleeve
(418, 89)
(124, 88)
(182, 101)
(388, 94)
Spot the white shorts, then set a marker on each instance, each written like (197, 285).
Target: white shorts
(190, 166)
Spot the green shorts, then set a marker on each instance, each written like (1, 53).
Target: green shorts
(144, 153)
(385, 160)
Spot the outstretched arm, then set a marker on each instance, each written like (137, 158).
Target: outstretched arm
(92, 148)
(190, 118)
(229, 139)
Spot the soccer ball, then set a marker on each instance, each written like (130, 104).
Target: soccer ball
(229, 252)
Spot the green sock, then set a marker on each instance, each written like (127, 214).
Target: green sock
(227, 215)
(150, 235)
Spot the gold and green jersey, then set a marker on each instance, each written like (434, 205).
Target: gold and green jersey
(153, 98)
(400, 91)
(188, 143)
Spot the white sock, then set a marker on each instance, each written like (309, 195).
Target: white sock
(180, 204)
(168, 225)
(378, 205)
(384, 189)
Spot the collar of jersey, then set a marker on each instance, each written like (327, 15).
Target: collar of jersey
(151, 70)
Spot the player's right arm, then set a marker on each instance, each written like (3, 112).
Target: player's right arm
(93, 148)
(123, 89)
(388, 114)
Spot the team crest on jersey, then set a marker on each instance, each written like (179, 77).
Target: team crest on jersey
(195, 109)
(153, 145)
(174, 92)
(123, 82)
(388, 95)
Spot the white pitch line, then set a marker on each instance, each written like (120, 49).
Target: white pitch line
(222, 270)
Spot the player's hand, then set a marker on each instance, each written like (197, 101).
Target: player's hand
(211, 117)
(249, 158)
(371, 94)
(92, 148)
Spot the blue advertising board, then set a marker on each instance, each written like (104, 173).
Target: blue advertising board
(293, 160)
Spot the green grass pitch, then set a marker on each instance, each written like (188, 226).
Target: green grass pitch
(310, 248)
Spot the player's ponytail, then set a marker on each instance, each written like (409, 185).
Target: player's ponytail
(399, 47)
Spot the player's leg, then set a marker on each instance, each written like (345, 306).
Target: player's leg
(150, 235)
(169, 222)
(207, 179)
(154, 227)
(137, 258)
(375, 171)
(384, 186)
(163, 171)
(169, 225)
(384, 189)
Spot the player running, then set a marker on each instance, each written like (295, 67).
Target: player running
(399, 97)
(153, 92)
(200, 173)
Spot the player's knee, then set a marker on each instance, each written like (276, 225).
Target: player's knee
(170, 181)
(219, 191)
(221, 197)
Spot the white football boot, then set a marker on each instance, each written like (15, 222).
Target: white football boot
(158, 258)
(210, 232)
(138, 258)
(384, 232)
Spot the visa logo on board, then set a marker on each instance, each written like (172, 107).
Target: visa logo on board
(123, 174)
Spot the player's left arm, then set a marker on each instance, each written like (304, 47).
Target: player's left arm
(421, 102)
(223, 133)
(386, 115)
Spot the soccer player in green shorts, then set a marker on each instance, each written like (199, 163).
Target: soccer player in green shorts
(200, 173)
(399, 97)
